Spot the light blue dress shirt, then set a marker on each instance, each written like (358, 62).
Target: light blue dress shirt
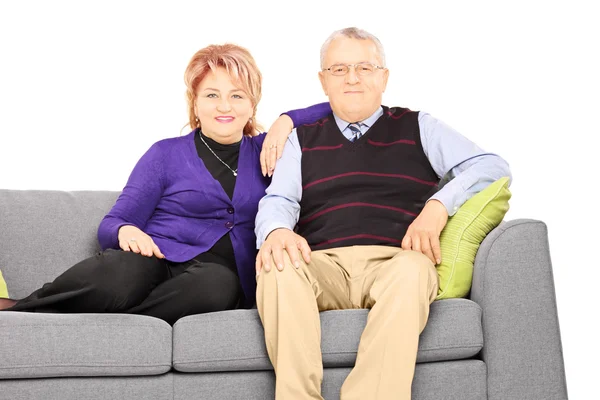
(465, 169)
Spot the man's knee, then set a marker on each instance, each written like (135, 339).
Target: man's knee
(288, 276)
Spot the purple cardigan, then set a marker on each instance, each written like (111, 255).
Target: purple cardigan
(171, 196)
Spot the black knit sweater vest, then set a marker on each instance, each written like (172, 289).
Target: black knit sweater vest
(365, 192)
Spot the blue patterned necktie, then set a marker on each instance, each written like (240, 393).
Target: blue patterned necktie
(355, 128)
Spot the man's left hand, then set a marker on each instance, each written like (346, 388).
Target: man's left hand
(423, 235)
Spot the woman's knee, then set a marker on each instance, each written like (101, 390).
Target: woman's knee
(219, 289)
(117, 280)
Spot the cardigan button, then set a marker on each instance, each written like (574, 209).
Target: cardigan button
(230, 210)
(229, 224)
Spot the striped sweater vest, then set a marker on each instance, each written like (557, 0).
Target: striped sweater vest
(365, 192)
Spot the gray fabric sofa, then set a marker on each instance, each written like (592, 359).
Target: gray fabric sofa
(501, 343)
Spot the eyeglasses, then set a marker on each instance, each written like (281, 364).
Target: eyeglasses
(360, 68)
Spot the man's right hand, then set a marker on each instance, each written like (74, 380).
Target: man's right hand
(277, 241)
(132, 238)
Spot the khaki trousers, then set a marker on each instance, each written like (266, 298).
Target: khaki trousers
(397, 285)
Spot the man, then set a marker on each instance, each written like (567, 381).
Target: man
(352, 219)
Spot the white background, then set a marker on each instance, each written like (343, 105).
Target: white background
(86, 88)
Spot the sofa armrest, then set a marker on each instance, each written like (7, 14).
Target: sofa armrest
(513, 284)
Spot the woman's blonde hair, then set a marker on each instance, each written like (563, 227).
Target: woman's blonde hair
(241, 67)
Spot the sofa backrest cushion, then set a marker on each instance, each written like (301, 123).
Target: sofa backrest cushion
(43, 233)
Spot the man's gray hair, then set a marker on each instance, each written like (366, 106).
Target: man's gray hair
(353, 33)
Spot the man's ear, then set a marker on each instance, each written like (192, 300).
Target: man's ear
(386, 75)
(322, 79)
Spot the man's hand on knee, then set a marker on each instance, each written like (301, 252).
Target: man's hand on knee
(423, 235)
(272, 250)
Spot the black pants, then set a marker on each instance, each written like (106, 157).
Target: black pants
(116, 281)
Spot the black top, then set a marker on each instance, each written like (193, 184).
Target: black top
(222, 251)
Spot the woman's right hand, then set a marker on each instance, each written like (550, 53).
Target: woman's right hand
(132, 238)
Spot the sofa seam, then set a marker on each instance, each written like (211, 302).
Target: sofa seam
(205, 360)
(44, 325)
(83, 366)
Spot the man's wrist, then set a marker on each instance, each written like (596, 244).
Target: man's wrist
(436, 203)
(261, 237)
(276, 229)
(442, 203)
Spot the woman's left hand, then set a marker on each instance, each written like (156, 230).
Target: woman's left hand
(273, 145)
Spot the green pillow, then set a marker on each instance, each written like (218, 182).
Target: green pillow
(3, 289)
(464, 232)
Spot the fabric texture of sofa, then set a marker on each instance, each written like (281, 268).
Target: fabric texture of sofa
(502, 342)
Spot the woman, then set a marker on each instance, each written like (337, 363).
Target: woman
(180, 238)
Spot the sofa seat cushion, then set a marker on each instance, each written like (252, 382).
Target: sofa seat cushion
(234, 340)
(36, 345)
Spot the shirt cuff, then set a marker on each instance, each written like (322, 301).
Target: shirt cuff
(451, 200)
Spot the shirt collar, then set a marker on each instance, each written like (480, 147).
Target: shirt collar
(368, 122)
